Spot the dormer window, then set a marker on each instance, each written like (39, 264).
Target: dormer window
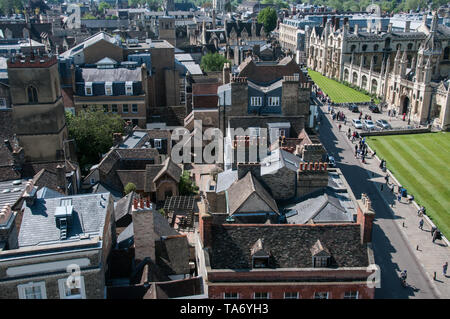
(320, 255)
(108, 88)
(88, 88)
(129, 88)
(158, 143)
(273, 101)
(260, 256)
(256, 101)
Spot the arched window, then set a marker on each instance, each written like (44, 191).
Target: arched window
(446, 53)
(387, 43)
(364, 47)
(375, 47)
(32, 94)
(399, 47)
(410, 46)
(353, 48)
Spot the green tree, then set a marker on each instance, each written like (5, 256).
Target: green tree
(130, 187)
(268, 17)
(213, 62)
(92, 131)
(103, 6)
(186, 186)
(89, 16)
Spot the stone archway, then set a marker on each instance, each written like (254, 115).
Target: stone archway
(404, 104)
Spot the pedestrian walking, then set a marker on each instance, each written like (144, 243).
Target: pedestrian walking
(381, 187)
(421, 224)
(444, 268)
(340, 127)
(433, 230)
(386, 178)
(399, 197)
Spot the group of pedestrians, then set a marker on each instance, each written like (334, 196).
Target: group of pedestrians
(361, 149)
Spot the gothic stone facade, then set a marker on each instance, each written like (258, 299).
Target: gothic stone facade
(408, 70)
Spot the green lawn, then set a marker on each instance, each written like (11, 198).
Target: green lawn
(420, 164)
(338, 92)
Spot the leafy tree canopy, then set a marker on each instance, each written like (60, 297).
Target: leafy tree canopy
(213, 62)
(93, 133)
(268, 17)
(130, 187)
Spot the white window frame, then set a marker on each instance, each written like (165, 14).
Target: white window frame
(322, 292)
(350, 295)
(88, 89)
(256, 100)
(158, 143)
(40, 284)
(273, 101)
(230, 295)
(291, 297)
(267, 295)
(62, 286)
(129, 88)
(3, 103)
(109, 88)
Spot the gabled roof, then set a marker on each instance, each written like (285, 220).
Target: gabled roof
(258, 250)
(171, 169)
(318, 250)
(241, 190)
(289, 245)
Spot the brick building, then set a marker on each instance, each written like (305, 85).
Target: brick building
(290, 261)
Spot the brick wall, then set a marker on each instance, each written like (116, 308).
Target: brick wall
(305, 290)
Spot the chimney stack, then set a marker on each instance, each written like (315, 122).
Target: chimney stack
(117, 138)
(205, 225)
(407, 26)
(144, 231)
(365, 217)
(61, 178)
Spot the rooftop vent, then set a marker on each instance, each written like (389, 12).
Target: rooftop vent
(63, 216)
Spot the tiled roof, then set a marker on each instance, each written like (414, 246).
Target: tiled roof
(243, 189)
(289, 245)
(172, 254)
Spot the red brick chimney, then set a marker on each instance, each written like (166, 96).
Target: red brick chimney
(365, 217)
(144, 232)
(205, 225)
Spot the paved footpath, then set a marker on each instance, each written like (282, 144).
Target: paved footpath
(431, 256)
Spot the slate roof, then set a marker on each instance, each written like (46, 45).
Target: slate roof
(10, 193)
(289, 245)
(262, 72)
(172, 254)
(39, 225)
(160, 225)
(225, 179)
(110, 75)
(241, 190)
(322, 206)
(123, 206)
(279, 159)
(46, 178)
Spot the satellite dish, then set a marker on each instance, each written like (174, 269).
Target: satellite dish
(374, 9)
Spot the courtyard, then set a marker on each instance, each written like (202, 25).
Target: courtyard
(419, 162)
(338, 92)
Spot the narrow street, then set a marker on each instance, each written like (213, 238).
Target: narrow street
(392, 253)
